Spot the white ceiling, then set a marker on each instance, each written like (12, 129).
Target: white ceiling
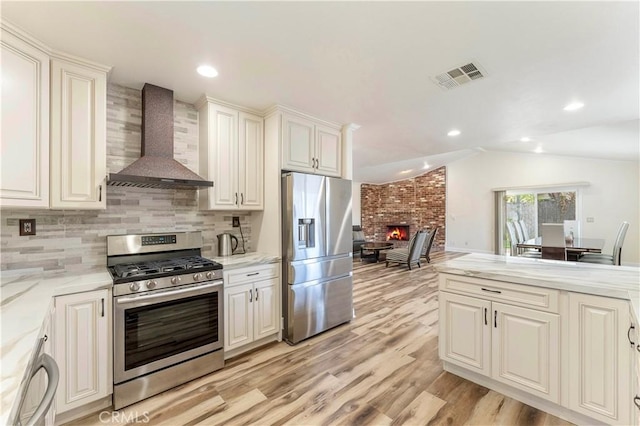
(371, 63)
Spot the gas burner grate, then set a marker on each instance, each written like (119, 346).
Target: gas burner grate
(168, 266)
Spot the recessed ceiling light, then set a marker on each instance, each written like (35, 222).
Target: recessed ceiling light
(426, 166)
(573, 106)
(207, 71)
(538, 150)
(406, 171)
(525, 139)
(453, 133)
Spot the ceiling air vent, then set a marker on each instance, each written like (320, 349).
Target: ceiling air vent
(459, 76)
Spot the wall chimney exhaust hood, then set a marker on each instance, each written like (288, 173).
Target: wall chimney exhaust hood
(156, 168)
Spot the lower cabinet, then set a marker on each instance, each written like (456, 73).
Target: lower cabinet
(513, 345)
(488, 329)
(83, 348)
(251, 306)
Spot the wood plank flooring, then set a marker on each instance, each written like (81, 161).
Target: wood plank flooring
(380, 369)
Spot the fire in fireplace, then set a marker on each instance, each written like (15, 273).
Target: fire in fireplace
(398, 232)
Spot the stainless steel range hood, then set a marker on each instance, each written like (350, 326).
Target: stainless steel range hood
(156, 167)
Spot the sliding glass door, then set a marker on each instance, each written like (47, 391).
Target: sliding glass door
(530, 208)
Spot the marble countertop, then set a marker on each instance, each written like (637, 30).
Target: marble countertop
(621, 282)
(25, 302)
(243, 260)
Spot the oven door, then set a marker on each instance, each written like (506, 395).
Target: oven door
(162, 328)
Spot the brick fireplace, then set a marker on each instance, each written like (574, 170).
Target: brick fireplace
(417, 203)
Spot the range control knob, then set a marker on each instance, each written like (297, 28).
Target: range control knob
(197, 277)
(209, 275)
(134, 286)
(151, 284)
(175, 280)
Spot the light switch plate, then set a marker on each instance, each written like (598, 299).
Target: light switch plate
(27, 227)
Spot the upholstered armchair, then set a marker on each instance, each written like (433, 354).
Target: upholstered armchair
(410, 255)
(358, 238)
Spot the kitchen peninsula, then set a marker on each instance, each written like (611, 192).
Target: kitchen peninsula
(559, 336)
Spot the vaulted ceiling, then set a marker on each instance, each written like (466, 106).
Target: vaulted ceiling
(374, 64)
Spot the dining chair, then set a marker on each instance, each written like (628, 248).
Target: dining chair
(553, 245)
(511, 230)
(513, 236)
(525, 231)
(519, 231)
(606, 259)
(411, 254)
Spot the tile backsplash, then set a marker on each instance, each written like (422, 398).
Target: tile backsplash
(74, 240)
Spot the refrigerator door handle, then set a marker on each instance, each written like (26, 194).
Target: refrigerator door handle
(302, 232)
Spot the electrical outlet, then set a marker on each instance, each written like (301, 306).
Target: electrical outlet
(27, 226)
(235, 221)
(590, 220)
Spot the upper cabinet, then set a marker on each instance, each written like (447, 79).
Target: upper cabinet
(78, 134)
(24, 142)
(53, 146)
(232, 156)
(310, 146)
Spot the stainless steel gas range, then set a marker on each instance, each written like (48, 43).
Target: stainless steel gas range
(168, 313)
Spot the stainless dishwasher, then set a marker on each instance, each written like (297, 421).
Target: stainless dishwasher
(37, 398)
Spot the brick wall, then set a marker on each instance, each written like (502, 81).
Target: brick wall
(419, 202)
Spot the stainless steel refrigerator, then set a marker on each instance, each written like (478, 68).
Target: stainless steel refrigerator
(317, 254)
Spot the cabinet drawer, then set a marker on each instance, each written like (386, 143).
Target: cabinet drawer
(252, 274)
(544, 299)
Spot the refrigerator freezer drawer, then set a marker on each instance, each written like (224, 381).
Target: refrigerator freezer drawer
(318, 269)
(316, 307)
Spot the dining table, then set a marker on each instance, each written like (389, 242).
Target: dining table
(571, 250)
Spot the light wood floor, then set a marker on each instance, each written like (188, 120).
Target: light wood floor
(382, 368)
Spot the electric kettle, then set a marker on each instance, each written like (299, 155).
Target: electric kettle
(224, 244)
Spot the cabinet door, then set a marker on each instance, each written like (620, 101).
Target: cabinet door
(251, 162)
(24, 139)
(328, 151)
(223, 157)
(599, 354)
(82, 348)
(265, 308)
(525, 350)
(239, 320)
(465, 332)
(78, 136)
(298, 145)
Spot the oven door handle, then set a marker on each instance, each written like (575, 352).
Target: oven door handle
(164, 294)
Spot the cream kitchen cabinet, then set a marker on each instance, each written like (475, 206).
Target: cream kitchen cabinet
(601, 353)
(232, 156)
(83, 348)
(308, 146)
(251, 306)
(511, 344)
(53, 146)
(78, 134)
(24, 142)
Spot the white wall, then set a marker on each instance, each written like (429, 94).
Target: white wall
(611, 197)
(355, 200)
